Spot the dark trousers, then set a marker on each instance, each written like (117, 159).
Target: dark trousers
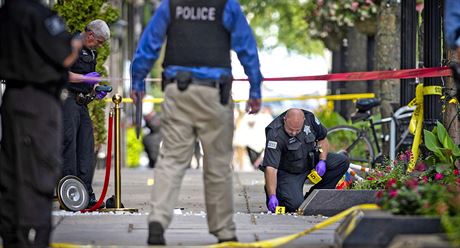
(30, 159)
(289, 188)
(78, 148)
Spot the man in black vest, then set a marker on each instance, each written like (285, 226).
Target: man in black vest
(35, 51)
(197, 84)
(296, 143)
(78, 148)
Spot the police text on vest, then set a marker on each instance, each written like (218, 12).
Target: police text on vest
(196, 13)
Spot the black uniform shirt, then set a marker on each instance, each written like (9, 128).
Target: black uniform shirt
(33, 43)
(85, 63)
(292, 154)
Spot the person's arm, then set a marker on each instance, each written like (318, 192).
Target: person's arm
(452, 24)
(149, 47)
(270, 180)
(245, 46)
(76, 44)
(324, 144)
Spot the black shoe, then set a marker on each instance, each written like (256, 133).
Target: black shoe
(156, 234)
(234, 239)
(92, 201)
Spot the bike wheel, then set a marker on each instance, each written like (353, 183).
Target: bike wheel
(352, 142)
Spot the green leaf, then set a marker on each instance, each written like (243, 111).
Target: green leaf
(444, 137)
(432, 144)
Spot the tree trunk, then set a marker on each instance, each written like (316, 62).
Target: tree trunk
(451, 114)
(388, 58)
(355, 60)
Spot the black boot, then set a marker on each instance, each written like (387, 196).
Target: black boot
(92, 201)
(156, 234)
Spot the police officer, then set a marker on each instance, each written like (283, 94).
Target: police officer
(78, 148)
(295, 144)
(197, 84)
(35, 51)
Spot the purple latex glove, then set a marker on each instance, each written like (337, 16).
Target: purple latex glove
(272, 203)
(92, 75)
(101, 94)
(321, 168)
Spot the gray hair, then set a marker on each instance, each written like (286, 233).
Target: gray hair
(99, 28)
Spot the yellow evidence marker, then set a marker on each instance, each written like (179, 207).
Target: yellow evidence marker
(314, 177)
(280, 210)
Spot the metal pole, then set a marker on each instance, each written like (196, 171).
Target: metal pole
(432, 58)
(408, 48)
(117, 155)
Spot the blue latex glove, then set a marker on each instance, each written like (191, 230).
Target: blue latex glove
(321, 168)
(272, 203)
(93, 75)
(101, 94)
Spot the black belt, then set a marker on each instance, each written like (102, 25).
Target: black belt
(205, 82)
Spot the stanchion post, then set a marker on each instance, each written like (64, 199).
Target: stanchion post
(117, 155)
(117, 99)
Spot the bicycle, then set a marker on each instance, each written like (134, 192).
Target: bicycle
(361, 144)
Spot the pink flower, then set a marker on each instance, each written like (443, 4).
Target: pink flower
(391, 182)
(354, 6)
(369, 2)
(438, 176)
(456, 172)
(393, 193)
(425, 179)
(320, 2)
(412, 183)
(379, 194)
(388, 169)
(420, 167)
(370, 178)
(408, 154)
(458, 180)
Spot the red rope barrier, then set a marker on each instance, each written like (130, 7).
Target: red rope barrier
(108, 162)
(369, 75)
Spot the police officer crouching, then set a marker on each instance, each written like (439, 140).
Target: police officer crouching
(296, 144)
(78, 151)
(35, 52)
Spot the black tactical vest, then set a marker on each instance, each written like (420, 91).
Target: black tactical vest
(299, 154)
(85, 63)
(196, 34)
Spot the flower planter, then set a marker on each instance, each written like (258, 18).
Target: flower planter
(368, 26)
(379, 228)
(329, 202)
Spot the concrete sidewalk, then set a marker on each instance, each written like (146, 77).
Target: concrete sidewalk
(189, 227)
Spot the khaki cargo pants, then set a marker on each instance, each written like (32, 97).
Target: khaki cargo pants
(195, 113)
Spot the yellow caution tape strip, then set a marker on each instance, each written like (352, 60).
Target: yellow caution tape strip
(286, 239)
(416, 121)
(278, 99)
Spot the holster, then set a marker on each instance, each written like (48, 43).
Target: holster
(225, 83)
(183, 79)
(83, 99)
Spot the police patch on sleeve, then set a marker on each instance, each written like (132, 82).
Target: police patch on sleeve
(272, 144)
(317, 121)
(54, 25)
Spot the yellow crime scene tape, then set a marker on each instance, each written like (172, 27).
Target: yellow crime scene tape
(278, 99)
(271, 242)
(416, 121)
(286, 239)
